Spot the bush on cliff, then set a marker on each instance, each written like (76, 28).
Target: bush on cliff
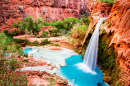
(44, 34)
(36, 26)
(65, 24)
(79, 31)
(85, 20)
(53, 32)
(107, 59)
(108, 1)
(29, 24)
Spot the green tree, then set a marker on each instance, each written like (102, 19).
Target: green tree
(39, 20)
(36, 26)
(8, 64)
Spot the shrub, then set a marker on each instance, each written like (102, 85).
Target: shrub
(69, 33)
(15, 32)
(70, 21)
(108, 1)
(6, 31)
(44, 34)
(18, 41)
(56, 44)
(85, 20)
(79, 31)
(25, 60)
(26, 55)
(65, 24)
(109, 25)
(33, 26)
(12, 64)
(14, 25)
(4, 42)
(14, 79)
(51, 82)
(29, 24)
(53, 32)
(7, 65)
(26, 42)
(20, 25)
(39, 20)
(45, 41)
(59, 24)
(63, 31)
(22, 42)
(107, 58)
(36, 43)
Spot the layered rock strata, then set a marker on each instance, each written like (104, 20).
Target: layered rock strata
(117, 25)
(15, 10)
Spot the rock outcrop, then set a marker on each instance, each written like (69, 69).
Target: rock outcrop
(15, 10)
(119, 25)
(99, 10)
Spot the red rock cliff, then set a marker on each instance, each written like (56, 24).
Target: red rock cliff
(14, 10)
(119, 25)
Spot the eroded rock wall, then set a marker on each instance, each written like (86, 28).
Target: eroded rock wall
(99, 10)
(119, 26)
(15, 10)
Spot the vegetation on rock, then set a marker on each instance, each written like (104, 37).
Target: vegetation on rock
(8, 65)
(107, 60)
(79, 31)
(108, 1)
(44, 34)
(30, 25)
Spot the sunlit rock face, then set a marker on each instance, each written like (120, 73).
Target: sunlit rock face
(119, 24)
(15, 10)
(99, 10)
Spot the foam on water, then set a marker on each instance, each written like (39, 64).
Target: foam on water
(84, 68)
(69, 59)
(77, 76)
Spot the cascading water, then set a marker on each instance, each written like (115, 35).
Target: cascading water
(90, 57)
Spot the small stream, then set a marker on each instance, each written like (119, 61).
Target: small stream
(65, 60)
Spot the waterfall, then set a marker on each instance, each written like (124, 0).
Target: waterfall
(90, 57)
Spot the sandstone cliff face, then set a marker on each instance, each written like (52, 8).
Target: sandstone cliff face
(119, 25)
(99, 10)
(15, 10)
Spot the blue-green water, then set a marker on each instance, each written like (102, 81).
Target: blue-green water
(26, 50)
(74, 75)
(78, 77)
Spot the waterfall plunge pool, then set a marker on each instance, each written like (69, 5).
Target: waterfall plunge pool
(65, 60)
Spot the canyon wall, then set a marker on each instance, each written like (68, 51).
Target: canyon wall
(15, 10)
(118, 27)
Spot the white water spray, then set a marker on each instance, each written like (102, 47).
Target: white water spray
(90, 57)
